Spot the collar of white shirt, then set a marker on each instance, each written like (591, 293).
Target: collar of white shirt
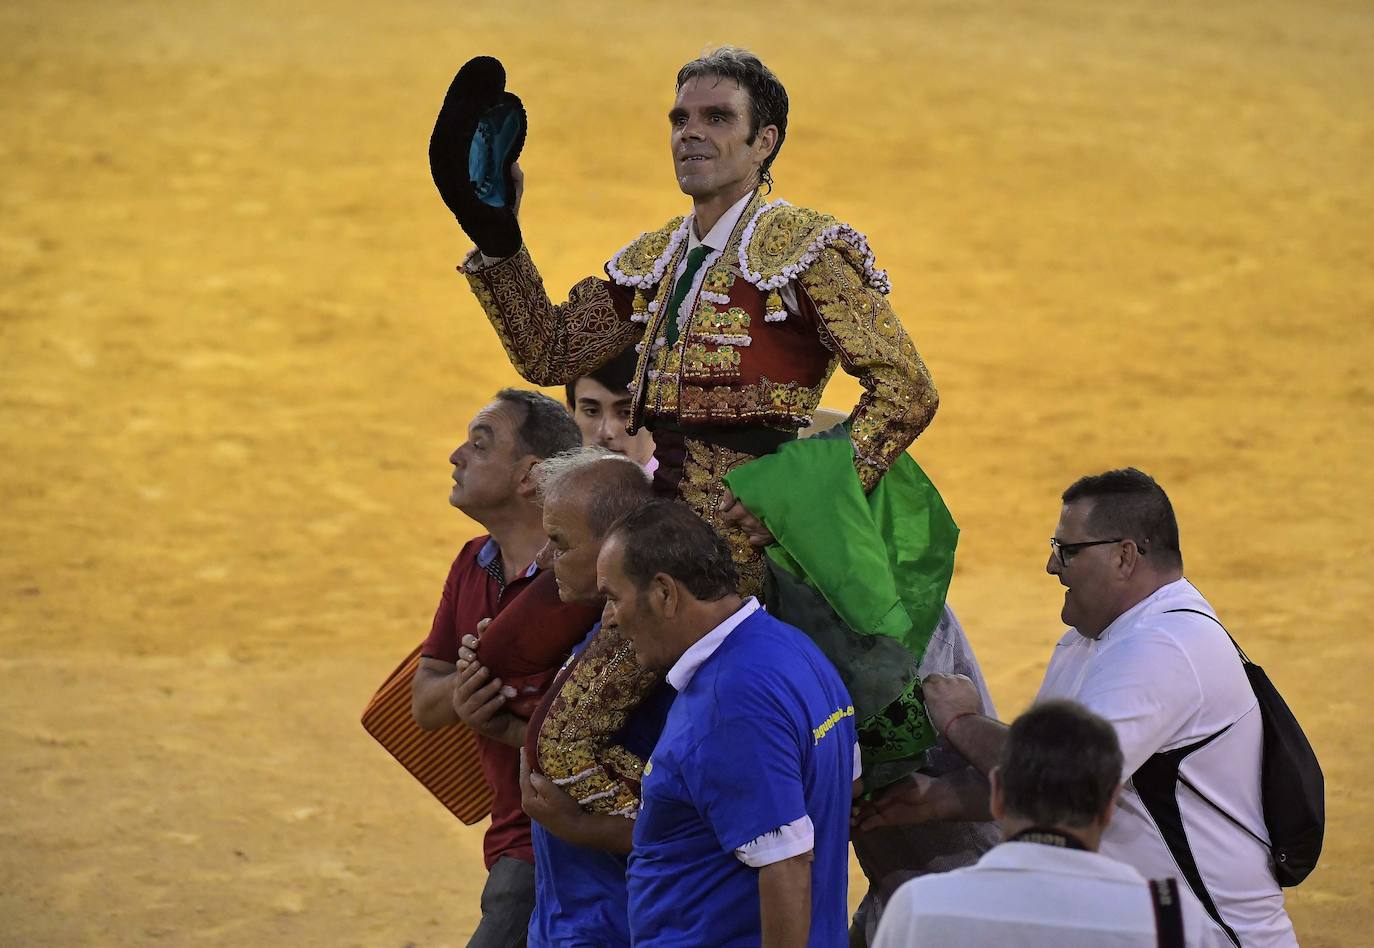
(680, 675)
(719, 235)
(1038, 857)
(1179, 592)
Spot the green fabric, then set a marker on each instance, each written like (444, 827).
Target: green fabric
(882, 561)
(864, 576)
(684, 283)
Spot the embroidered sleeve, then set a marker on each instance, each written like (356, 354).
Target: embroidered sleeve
(548, 343)
(574, 742)
(858, 324)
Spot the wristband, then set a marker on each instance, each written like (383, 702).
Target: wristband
(962, 714)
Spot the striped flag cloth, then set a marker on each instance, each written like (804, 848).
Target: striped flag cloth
(444, 761)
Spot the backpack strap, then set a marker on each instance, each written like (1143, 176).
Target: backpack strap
(1168, 913)
(1188, 783)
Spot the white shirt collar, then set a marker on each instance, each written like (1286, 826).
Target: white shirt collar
(1040, 858)
(1178, 589)
(680, 675)
(718, 236)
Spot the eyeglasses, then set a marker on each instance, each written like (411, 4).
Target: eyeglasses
(1064, 551)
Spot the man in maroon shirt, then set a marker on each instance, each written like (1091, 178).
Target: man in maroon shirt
(492, 485)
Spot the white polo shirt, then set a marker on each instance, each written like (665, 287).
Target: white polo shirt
(1035, 896)
(1169, 681)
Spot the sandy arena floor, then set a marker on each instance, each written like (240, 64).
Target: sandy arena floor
(235, 357)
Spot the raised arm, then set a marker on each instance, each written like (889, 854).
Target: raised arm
(552, 343)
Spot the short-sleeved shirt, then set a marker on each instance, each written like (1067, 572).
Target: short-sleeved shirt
(1168, 680)
(1035, 896)
(476, 590)
(759, 742)
(579, 893)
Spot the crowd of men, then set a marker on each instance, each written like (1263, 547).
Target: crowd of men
(672, 764)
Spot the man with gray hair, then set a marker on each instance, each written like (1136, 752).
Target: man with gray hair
(586, 744)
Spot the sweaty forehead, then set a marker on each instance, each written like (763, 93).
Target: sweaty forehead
(703, 91)
(565, 514)
(589, 388)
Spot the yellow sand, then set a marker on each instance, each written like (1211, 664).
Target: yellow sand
(235, 357)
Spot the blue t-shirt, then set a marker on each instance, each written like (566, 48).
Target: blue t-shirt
(761, 736)
(579, 894)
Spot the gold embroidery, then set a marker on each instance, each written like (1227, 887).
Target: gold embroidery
(781, 237)
(730, 322)
(642, 255)
(899, 397)
(702, 487)
(550, 344)
(700, 364)
(574, 744)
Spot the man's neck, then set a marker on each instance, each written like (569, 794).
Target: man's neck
(1150, 584)
(1089, 836)
(706, 616)
(520, 535)
(707, 212)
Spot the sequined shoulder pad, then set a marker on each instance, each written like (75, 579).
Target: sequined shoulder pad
(642, 262)
(781, 241)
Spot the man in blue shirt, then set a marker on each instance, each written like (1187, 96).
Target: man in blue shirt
(743, 831)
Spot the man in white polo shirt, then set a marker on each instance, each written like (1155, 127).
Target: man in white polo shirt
(1147, 653)
(1046, 886)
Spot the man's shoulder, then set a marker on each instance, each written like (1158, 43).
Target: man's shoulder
(783, 240)
(471, 552)
(643, 261)
(764, 650)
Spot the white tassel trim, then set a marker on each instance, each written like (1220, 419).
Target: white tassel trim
(582, 775)
(596, 796)
(656, 274)
(737, 341)
(718, 298)
(878, 279)
(775, 317)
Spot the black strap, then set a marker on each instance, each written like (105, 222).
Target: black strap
(1188, 783)
(1048, 836)
(1168, 913)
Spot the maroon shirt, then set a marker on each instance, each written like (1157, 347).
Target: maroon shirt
(473, 593)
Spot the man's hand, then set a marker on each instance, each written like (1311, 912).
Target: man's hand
(544, 801)
(913, 799)
(736, 514)
(948, 696)
(478, 700)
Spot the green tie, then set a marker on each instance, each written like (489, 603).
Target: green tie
(684, 283)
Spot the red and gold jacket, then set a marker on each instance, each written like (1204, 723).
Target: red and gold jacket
(741, 359)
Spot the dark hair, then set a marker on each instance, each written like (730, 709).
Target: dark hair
(664, 536)
(616, 375)
(1059, 765)
(1128, 503)
(609, 485)
(547, 428)
(767, 97)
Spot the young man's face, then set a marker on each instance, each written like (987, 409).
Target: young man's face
(602, 414)
(489, 466)
(709, 125)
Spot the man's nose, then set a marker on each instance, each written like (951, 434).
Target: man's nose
(455, 456)
(1052, 565)
(544, 558)
(607, 429)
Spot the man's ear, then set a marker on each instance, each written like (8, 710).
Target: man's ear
(996, 804)
(1109, 810)
(766, 141)
(525, 485)
(1128, 559)
(664, 594)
